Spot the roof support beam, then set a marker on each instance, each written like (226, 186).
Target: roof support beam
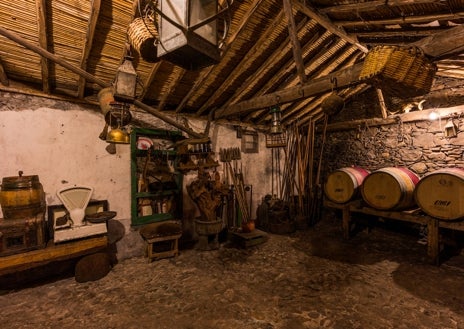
(441, 43)
(59, 60)
(3, 77)
(326, 23)
(373, 5)
(296, 47)
(92, 23)
(43, 42)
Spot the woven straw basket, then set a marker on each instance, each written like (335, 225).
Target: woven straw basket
(403, 71)
(142, 37)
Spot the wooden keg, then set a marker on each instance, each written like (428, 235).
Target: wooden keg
(439, 193)
(343, 184)
(21, 196)
(390, 188)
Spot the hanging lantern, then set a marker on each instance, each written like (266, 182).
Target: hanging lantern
(276, 127)
(188, 32)
(125, 82)
(117, 118)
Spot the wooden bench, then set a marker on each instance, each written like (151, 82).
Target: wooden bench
(411, 216)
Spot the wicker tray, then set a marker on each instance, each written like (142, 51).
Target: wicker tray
(403, 71)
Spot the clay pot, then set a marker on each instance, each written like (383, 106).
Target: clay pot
(248, 227)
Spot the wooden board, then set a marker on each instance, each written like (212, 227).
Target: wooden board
(246, 240)
(63, 251)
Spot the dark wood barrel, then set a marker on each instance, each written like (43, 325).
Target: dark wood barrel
(390, 188)
(343, 185)
(439, 193)
(21, 196)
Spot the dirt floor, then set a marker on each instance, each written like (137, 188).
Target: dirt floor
(380, 278)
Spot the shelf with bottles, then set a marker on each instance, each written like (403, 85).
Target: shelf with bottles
(194, 154)
(154, 178)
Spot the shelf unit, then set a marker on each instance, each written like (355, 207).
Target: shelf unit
(196, 155)
(157, 198)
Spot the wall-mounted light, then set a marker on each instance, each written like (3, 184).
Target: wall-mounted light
(125, 82)
(276, 126)
(433, 116)
(450, 129)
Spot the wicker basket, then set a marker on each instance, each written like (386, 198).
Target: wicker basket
(143, 37)
(276, 140)
(403, 71)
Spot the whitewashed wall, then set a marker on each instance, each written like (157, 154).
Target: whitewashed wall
(58, 141)
(62, 147)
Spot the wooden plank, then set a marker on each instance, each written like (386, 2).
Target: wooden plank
(59, 252)
(372, 5)
(3, 77)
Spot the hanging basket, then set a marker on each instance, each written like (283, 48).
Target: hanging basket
(276, 140)
(143, 36)
(402, 71)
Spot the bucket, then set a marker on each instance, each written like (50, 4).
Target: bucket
(439, 193)
(21, 196)
(142, 36)
(390, 188)
(343, 184)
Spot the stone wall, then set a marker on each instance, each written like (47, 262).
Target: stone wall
(419, 146)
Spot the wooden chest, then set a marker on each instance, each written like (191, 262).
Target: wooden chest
(20, 235)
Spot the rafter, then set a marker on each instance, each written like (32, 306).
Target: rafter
(3, 77)
(244, 66)
(43, 42)
(89, 35)
(306, 9)
(296, 47)
(372, 5)
(178, 73)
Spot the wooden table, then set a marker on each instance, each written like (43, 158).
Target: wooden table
(411, 216)
(57, 252)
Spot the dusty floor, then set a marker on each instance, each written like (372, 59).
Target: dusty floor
(308, 279)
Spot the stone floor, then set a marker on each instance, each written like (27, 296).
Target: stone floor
(308, 279)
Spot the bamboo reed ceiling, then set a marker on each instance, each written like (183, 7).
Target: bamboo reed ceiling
(260, 61)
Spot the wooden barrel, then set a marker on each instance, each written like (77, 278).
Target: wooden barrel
(21, 196)
(390, 188)
(439, 194)
(142, 36)
(343, 184)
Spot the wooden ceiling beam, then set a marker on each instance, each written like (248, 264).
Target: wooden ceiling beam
(296, 47)
(269, 63)
(401, 20)
(204, 76)
(89, 35)
(3, 76)
(306, 9)
(43, 42)
(177, 75)
(150, 79)
(441, 43)
(372, 6)
(244, 65)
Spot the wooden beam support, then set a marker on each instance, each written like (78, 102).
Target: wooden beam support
(3, 77)
(90, 33)
(245, 65)
(305, 8)
(296, 47)
(43, 42)
(200, 82)
(445, 44)
(345, 78)
(23, 42)
(372, 5)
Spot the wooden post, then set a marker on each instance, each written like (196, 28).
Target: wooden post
(346, 222)
(433, 241)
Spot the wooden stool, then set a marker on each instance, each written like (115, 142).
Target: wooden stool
(162, 239)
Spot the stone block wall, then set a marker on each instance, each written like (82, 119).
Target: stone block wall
(421, 146)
